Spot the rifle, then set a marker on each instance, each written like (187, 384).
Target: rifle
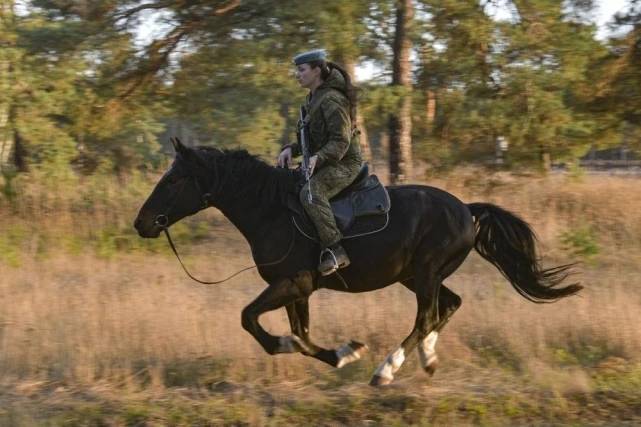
(304, 148)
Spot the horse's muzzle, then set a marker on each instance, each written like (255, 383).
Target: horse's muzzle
(150, 231)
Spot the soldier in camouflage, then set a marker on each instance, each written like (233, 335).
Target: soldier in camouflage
(333, 144)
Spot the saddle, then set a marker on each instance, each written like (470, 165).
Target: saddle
(360, 208)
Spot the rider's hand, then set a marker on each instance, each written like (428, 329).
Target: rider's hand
(285, 157)
(312, 164)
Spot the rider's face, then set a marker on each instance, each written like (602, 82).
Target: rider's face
(307, 76)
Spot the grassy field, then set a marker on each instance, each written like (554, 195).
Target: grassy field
(98, 327)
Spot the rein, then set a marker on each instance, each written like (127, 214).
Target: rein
(278, 261)
(162, 221)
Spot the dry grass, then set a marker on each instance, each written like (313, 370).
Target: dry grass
(85, 319)
(75, 320)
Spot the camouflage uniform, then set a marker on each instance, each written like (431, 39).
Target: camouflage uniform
(332, 139)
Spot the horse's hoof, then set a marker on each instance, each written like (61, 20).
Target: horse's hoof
(359, 346)
(377, 381)
(350, 352)
(431, 368)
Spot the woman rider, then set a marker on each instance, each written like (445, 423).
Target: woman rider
(332, 139)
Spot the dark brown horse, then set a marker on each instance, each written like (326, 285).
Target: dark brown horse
(429, 235)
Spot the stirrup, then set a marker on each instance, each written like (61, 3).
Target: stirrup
(320, 261)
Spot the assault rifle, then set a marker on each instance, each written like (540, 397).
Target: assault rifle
(304, 148)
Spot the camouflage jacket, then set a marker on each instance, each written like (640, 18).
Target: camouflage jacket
(330, 133)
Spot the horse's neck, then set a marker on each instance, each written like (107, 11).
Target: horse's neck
(251, 216)
(257, 227)
(246, 216)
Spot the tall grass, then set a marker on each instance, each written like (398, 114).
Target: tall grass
(82, 299)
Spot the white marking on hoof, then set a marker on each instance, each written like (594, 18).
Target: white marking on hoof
(290, 344)
(427, 349)
(350, 352)
(389, 367)
(427, 352)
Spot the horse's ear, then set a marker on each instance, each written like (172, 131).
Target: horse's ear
(178, 145)
(186, 152)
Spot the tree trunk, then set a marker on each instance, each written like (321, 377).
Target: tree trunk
(6, 131)
(430, 106)
(19, 157)
(290, 127)
(546, 160)
(6, 141)
(400, 124)
(364, 139)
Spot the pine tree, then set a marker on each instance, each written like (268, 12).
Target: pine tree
(9, 55)
(400, 123)
(616, 96)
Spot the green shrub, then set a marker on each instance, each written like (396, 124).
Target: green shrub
(8, 188)
(581, 242)
(11, 243)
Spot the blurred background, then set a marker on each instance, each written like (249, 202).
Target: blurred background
(534, 105)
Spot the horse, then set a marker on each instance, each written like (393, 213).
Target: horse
(428, 236)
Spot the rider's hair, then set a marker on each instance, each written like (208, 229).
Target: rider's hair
(350, 90)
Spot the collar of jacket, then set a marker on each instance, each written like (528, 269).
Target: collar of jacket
(335, 81)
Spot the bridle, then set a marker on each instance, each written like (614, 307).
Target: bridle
(162, 221)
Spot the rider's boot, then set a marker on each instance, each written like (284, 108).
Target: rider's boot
(332, 258)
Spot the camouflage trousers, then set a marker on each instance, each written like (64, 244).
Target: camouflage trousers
(324, 184)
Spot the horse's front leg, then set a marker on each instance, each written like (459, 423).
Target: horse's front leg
(298, 313)
(278, 294)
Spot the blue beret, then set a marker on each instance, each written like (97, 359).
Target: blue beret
(312, 55)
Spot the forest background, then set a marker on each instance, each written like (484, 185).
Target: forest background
(494, 101)
(84, 93)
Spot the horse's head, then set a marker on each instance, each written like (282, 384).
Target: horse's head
(182, 191)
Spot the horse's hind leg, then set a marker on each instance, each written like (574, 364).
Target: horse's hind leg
(427, 286)
(385, 372)
(298, 313)
(448, 303)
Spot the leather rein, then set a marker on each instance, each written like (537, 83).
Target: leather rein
(162, 220)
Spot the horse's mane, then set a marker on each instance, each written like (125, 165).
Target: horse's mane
(238, 173)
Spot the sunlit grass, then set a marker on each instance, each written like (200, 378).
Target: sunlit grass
(85, 305)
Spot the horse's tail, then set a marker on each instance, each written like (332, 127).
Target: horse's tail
(508, 243)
